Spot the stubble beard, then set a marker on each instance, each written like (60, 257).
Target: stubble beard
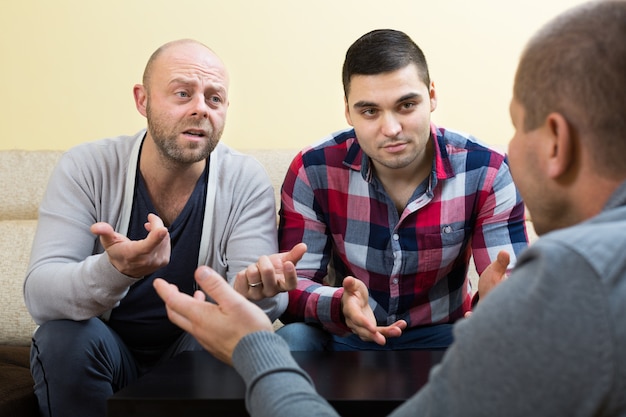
(396, 162)
(166, 140)
(419, 148)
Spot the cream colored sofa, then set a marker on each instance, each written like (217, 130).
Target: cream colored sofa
(23, 178)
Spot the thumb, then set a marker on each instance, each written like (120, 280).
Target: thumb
(351, 285)
(108, 237)
(214, 285)
(295, 254)
(503, 259)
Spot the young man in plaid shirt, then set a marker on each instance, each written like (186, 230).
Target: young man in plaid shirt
(398, 203)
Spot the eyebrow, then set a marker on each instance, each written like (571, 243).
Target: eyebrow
(363, 103)
(191, 81)
(178, 80)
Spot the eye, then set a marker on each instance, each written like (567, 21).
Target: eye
(182, 94)
(369, 112)
(407, 106)
(215, 99)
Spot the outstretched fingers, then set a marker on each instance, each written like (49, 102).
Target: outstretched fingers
(178, 305)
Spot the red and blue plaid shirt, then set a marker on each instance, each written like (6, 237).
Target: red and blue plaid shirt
(415, 264)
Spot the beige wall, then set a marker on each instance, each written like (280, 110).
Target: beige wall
(68, 66)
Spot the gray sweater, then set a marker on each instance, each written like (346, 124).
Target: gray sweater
(549, 341)
(70, 276)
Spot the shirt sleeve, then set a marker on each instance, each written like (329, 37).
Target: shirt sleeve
(500, 223)
(301, 220)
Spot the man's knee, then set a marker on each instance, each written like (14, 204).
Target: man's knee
(62, 337)
(91, 353)
(62, 346)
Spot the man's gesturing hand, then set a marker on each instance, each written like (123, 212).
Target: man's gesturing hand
(218, 328)
(139, 257)
(270, 274)
(360, 317)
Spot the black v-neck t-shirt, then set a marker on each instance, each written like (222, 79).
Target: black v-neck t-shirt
(141, 319)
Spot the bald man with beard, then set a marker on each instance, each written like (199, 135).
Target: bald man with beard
(121, 211)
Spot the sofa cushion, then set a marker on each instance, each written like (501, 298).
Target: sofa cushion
(23, 180)
(276, 163)
(16, 325)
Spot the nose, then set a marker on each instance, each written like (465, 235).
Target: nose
(200, 108)
(390, 125)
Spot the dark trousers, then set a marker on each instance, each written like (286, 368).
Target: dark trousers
(77, 365)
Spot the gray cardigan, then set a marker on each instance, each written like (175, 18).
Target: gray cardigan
(70, 276)
(549, 341)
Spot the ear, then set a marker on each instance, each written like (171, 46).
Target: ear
(433, 96)
(141, 97)
(347, 111)
(561, 145)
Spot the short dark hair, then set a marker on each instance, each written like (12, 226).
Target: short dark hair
(576, 66)
(382, 50)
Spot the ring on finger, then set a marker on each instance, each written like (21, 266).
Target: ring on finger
(256, 284)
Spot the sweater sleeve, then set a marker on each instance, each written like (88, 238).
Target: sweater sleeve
(69, 276)
(275, 384)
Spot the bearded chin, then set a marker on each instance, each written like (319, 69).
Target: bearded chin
(172, 151)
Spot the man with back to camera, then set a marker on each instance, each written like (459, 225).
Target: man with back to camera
(396, 202)
(101, 323)
(551, 339)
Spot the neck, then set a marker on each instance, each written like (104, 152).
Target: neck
(400, 183)
(162, 172)
(169, 184)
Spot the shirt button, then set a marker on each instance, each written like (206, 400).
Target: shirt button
(395, 281)
(447, 229)
(395, 236)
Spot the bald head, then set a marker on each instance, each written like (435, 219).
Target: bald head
(172, 47)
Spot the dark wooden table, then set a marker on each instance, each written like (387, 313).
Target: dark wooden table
(365, 383)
